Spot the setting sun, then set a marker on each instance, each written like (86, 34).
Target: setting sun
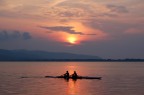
(72, 40)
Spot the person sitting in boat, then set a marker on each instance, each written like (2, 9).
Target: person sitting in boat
(66, 75)
(74, 75)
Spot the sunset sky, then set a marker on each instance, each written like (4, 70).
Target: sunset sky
(105, 28)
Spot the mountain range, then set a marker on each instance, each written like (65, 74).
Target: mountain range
(31, 55)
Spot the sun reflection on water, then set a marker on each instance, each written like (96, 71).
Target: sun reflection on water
(72, 87)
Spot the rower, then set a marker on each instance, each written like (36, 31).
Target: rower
(74, 75)
(66, 75)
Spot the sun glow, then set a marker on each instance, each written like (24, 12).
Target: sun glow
(72, 40)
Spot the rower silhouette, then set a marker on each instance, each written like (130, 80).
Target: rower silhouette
(74, 75)
(66, 75)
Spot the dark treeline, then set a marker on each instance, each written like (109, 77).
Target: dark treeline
(83, 60)
(29, 55)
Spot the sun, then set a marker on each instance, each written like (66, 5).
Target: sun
(72, 40)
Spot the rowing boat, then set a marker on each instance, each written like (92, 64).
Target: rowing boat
(79, 77)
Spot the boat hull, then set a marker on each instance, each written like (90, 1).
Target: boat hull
(79, 77)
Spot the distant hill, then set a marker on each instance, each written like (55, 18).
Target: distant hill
(27, 55)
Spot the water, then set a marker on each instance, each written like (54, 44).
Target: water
(119, 78)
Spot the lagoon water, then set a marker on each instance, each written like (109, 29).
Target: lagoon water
(118, 78)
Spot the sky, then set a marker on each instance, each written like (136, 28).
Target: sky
(105, 28)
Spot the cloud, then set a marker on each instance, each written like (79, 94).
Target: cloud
(67, 12)
(66, 29)
(117, 9)
(85, 10)
(1, 0)
(135, 30)
(117, 30)
(26, 35)
(59, 9)
(14, 35)
(108, 15)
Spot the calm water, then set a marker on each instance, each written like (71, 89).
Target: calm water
(119, 78)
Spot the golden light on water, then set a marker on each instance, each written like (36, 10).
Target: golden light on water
(72, 87)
